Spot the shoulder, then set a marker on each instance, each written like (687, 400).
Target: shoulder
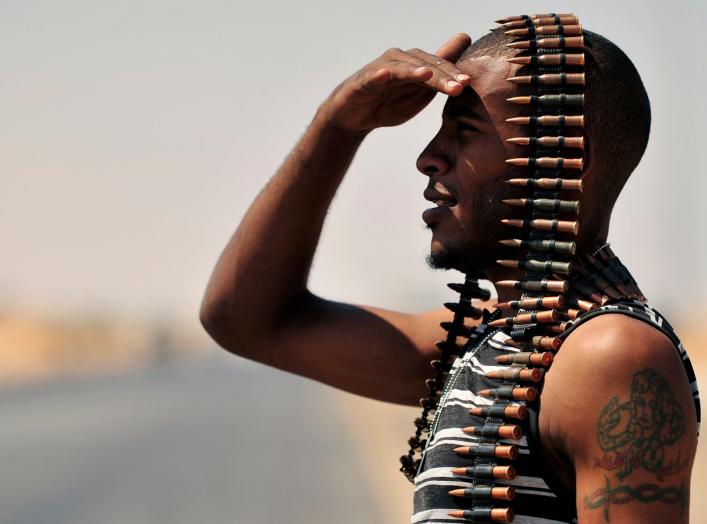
(608, 356)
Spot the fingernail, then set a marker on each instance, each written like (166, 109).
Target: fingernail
(461, 77)
(452, 83)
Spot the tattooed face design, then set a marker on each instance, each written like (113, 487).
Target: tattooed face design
(638, 431)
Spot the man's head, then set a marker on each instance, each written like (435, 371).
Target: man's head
(466, 159)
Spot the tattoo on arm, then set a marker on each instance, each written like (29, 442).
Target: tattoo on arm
(637, 434)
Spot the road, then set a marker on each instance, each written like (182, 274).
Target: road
(202, 441)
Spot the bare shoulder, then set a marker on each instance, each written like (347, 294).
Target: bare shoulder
(617, 405)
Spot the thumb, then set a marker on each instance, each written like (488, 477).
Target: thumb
(453, 48)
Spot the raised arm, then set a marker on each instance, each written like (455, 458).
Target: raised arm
(257, 303)
(622, 397)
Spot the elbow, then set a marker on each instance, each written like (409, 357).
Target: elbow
(220, 323)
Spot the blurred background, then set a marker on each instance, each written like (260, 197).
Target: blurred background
(134, 136)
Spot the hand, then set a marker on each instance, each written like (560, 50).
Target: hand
(395, 87)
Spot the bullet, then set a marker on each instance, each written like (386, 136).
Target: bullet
(468, 290)
(492, 514)
(538, 265)
(415, 442)
(526, 357)
(556, 328)
(533, 303)
(449, 347)
(524, 18)
(549, 120)
(549, 141)
(485, 492)
(534, 375)
(572, 314)
(552, 343)
(554, 286)
(521, 393)
(489, 450)
(566, 30)
(540, 224)
(517, 411)
(495, 430)
(546, 204)
(548, 100)
(550, 79)
(606, 254)
(584, 305)
(589, 292)
(487, 472)
(547, 162)
(549, 246)
(547, 183)
(540, 21)
(539, 317)
(457, 329)
(598, 281)
(549, 43)
(464, 309)
(549, 59)
(428, 403)
(609, 274)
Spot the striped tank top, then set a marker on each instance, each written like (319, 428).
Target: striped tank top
(540, 498)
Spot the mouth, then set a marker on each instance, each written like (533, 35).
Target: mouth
(443, 203)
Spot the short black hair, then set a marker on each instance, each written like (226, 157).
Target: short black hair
(617, 109)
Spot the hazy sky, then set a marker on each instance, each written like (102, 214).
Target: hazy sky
(135, 134)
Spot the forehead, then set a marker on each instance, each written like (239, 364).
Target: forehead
(488, 85)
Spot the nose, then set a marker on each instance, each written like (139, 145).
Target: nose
(433, 160)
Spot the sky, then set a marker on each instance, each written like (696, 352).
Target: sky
(136, 133)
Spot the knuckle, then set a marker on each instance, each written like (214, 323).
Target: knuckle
(414, 51)
(392, 51)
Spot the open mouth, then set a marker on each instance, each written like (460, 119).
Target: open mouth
(445, 203)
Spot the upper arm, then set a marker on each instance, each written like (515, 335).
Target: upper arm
(366, 350)
(626, 421)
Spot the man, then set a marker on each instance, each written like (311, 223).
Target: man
(618, 428)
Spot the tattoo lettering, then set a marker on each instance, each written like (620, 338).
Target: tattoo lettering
(635, 434)
(604, 497)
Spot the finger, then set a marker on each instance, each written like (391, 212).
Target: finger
(404, 71)
(450, 69)
(454, 47)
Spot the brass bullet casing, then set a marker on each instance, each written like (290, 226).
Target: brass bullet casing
(555, 286)
(492, 514)
(547, 183)
(556, 328)
(538, 265)
(567, 30)
(551, 343)
(487, 472)
(547, 162)
(550, 79)
(549, 120)
(550, 16)
(532, 358)
(572, 314)
(534, 375)
(545, 204)
(590, 292)
(520, 393)
(548, 100)
(496, 430)
(549, 246)
(533, 303)
(576, 142)
(485, 492)
(536, 22)
(541, 224)
(516, 411)
(539, 317)
(584, 305)
(489, 450)
(575, 59)
(568, 42)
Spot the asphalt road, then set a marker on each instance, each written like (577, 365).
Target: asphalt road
(190, 442)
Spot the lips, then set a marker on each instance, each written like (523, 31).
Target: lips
(443, 202)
